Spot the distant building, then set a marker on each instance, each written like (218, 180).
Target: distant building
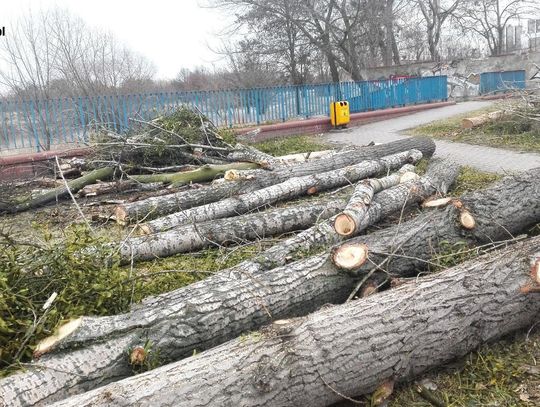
(533, 33)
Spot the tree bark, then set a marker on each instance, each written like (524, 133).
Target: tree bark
(439, 177)
(204, 173)
(163, 205)
(103, 188)
(349, 349)
(292, 188)
(61, 192)
(348, 222)
(252, 155)
(476, 121)
(93, 351)
(254, 226)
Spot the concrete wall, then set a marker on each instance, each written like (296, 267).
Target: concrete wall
(464, 75)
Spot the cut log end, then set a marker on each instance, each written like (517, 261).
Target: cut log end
(121, 215)
(436, 202)
(535, 270)
(350, 256)
(231, 175)
(143, 230)
(50, 342)
(312, 191)
(344, 224)
(138, 355)
(408, 176)
(467, 220)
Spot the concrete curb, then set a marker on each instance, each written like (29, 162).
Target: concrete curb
(322, 125)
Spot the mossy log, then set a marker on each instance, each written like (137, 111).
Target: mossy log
(292, 188)
(351, 349)
(204, 173)
(75, 185)
(159, 206)
(93, 351)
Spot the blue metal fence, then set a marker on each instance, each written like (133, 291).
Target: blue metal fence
(493, 82)
(41, 124)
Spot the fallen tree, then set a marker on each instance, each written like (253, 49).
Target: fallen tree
(237, 229)
(163, 205)
(352, 349)
(292, 188)
(91, 351)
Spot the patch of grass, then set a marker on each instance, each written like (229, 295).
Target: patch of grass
(291, 145)
(509, 132)
(501, 374)
(471, 179)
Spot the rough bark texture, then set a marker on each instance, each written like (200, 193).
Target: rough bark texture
(238, 229)
(103, 188)
(440, 175)
(292, 188)
(252, 155)
(352, 348)
(61, 192)
(347, 222)
(235, 301)
(163, 205)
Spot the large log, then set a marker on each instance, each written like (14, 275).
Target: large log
(477, 121)
(92, 351)
(351, 349)
(254, 226)
(163, 205)
(440, 175)
(259, 225)
(292, 188)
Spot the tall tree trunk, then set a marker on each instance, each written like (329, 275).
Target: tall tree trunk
(350, 349)
(94, 350)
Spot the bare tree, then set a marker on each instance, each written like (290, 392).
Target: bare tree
(436, 13)
(489, 19)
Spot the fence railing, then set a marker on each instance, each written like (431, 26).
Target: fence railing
(493, 82)
(42, 124)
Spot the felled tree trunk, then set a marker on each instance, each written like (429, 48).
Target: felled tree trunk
(268, 223)
(440, 175)
(74, 185)
(103, 188)
(292, 188)
(350, 349)
(476, 121)
(92, 351)
(163, 205)
(204, 173)
(247, 227)
(251, 154)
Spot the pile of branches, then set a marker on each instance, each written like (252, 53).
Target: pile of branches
(183, 136)
(262, 331)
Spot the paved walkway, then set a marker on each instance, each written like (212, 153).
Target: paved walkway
(483, 158)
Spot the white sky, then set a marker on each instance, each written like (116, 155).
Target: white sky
(172, 34)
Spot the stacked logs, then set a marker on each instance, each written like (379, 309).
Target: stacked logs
(305, 352)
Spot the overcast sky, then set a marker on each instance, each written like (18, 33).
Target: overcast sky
(172, 34)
